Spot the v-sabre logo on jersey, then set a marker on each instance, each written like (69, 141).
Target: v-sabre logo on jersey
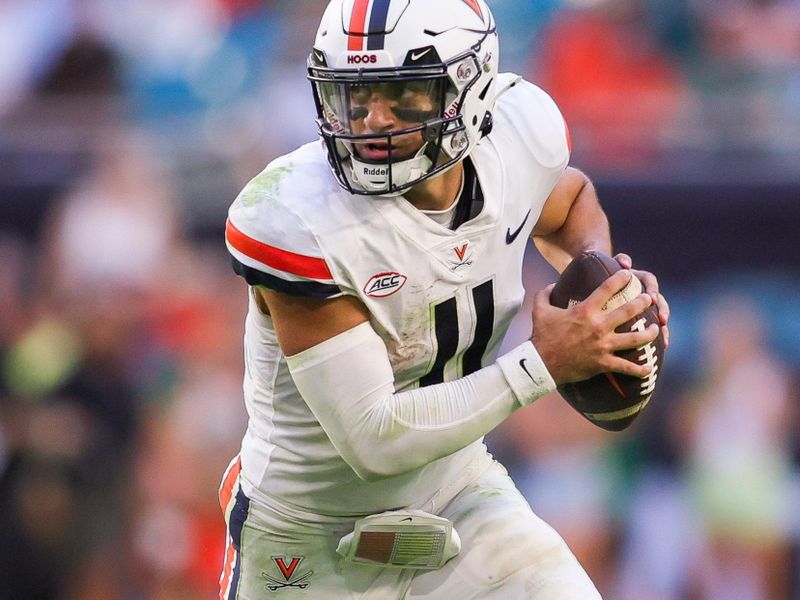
(384, 284)
(463, 254)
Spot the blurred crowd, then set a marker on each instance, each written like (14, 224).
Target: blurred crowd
(126, 129)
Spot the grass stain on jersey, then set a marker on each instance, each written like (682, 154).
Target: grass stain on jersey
(410, 350)
(265, 185)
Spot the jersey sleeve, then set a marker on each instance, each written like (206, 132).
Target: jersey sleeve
(269, 243)
(531, 115)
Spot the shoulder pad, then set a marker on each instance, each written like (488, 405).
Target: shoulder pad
(533, 117)
(270, 244)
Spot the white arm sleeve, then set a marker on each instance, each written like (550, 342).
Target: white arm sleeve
(347, 382)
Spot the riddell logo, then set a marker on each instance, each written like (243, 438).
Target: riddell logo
(360, 59)
(384, 284)
(375, 171)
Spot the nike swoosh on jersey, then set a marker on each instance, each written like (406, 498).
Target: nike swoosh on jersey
(510, 237)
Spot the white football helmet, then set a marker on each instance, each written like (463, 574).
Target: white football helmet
(435, 64)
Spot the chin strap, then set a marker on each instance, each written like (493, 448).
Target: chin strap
(488, 119)
(507, 87)
(375, 177)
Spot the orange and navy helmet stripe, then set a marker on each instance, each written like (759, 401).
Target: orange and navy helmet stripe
(374, 31)
(473, 4)
(357, 21)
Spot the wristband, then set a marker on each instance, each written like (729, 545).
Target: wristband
(526, 373)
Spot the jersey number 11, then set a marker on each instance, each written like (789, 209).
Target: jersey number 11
(445, 325)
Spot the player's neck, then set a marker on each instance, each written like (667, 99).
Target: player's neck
(437, 193)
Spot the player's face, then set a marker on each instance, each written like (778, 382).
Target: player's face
(384, 107)
(376, 108)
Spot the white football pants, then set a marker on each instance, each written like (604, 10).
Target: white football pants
(507, 553)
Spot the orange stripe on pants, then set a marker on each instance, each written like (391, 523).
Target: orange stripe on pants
(227, 569)
(225, 495)
(228, 483)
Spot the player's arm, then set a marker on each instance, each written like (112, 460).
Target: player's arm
(301, 322)
(341, 368)
(572, 221)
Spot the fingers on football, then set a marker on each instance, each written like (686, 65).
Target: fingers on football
(635, 339)
(663, 316)
(663, 309)
(542, 298)
(624, 260)
(600, 297)
(618, 364)
(629, 310)
(649, 282)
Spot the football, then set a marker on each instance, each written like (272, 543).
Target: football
(609, 400)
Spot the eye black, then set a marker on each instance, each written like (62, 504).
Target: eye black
(358, 113)
(413, 115)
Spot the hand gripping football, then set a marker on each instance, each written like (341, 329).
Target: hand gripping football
(609, 400)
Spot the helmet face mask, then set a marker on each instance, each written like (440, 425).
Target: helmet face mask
(406, 116)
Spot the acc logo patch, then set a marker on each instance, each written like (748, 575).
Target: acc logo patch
(384, 284)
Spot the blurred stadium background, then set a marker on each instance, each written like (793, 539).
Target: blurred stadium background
(126, 129)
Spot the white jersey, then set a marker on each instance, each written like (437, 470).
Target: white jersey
(440, 299)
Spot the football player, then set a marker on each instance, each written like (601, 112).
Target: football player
(384, 266)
